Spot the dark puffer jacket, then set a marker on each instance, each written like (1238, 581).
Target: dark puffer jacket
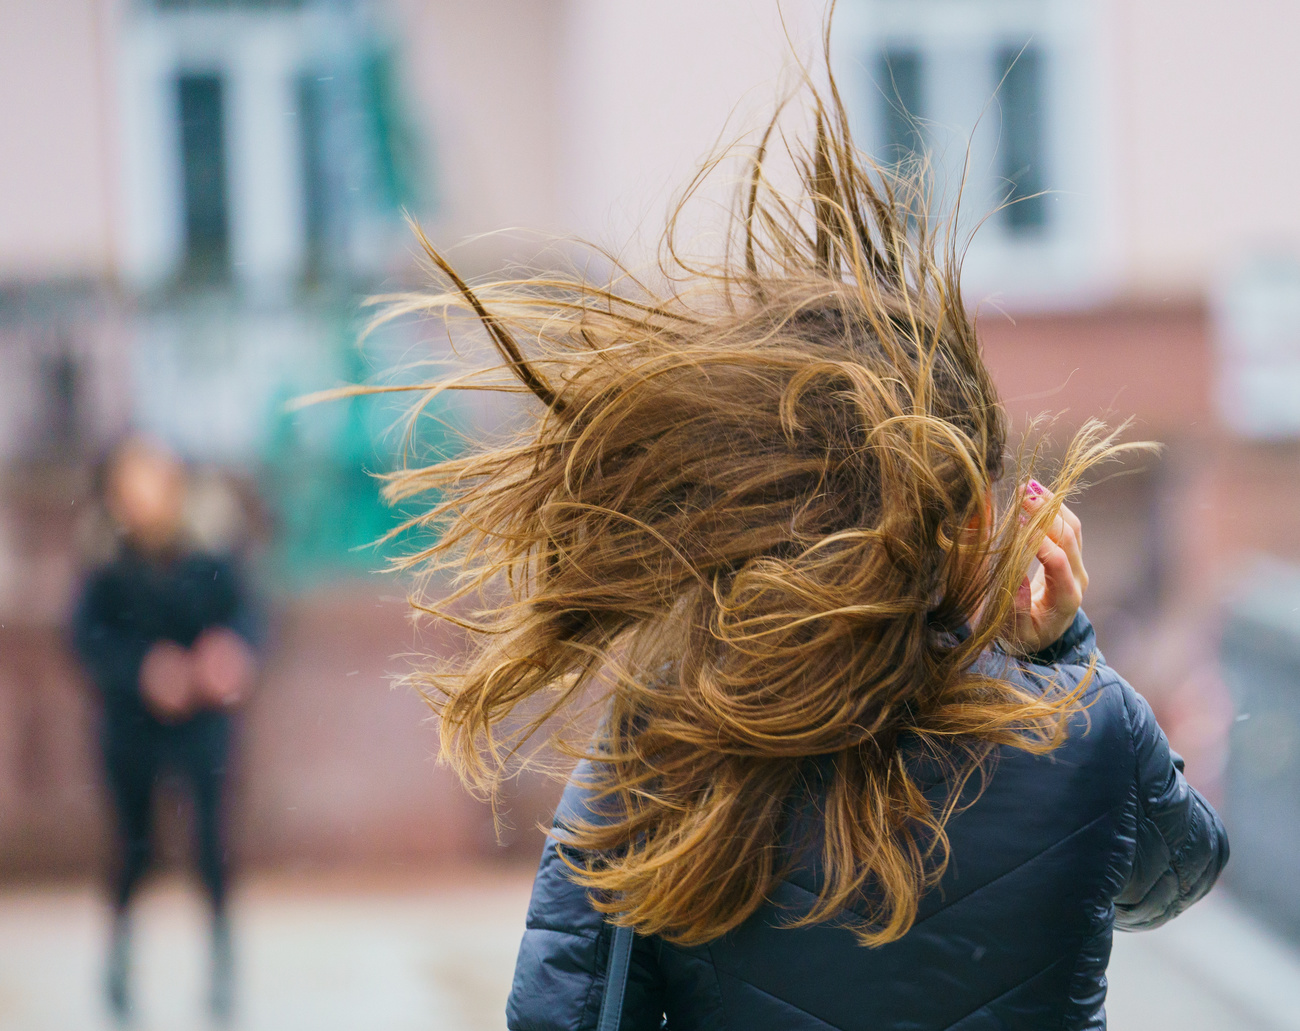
(1056, 852)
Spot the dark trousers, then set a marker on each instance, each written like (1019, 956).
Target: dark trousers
(137, 753)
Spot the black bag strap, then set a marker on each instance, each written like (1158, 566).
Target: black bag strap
(620, 956)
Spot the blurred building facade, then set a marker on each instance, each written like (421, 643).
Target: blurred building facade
(195, 193)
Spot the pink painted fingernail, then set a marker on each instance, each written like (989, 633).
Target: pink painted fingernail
(1035, 488)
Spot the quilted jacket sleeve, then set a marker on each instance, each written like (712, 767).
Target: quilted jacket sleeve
(1180, 845)
(560, 973)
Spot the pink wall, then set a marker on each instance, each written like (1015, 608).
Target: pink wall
(1209, 101)
(1148, 362)
(56, 127)
(650, 90)
(483, 80)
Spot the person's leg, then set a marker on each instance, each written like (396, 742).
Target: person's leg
(205, 767)
(131, 771)
(205, 758)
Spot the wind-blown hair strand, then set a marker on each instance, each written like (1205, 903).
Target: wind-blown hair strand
(754, 527)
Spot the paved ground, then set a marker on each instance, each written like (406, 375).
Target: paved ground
(324, 956)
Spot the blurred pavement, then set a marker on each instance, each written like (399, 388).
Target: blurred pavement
(324, 955)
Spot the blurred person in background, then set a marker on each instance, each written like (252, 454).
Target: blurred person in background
(165, 629)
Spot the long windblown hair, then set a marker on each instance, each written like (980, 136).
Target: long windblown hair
(753, 526)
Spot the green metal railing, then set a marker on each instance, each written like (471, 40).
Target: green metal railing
(322, 468)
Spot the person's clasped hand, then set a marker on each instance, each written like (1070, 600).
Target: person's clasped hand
(216, 673)
(223, 668)
(1047, 601)
(166, 681)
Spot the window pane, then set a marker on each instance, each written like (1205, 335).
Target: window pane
(1021, 150)
(312, 99)
(203, 177)
(208, 5)
(899, 82)
(392, 144)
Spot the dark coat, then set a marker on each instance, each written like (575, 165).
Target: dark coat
(131, 604)
(1056, 852)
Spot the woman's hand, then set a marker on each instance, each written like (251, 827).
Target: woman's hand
(1046, 603)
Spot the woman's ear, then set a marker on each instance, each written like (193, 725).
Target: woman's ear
(973, 523)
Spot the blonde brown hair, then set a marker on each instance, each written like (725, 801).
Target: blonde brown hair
(745, 527)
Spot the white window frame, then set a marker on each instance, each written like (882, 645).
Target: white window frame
(259, 56)
(1072, 260)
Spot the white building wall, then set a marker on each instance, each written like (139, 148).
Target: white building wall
(584, 115)
(149, 198)
(267, 226)
(1183, 120)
